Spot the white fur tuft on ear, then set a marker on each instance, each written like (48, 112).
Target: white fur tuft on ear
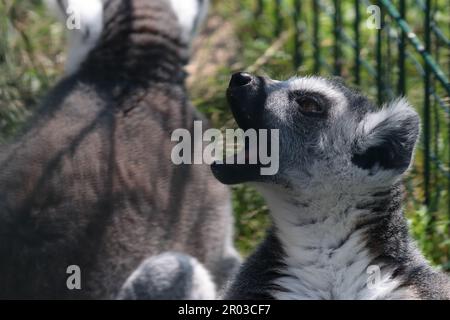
(83, 20)
(391, 115)
(387, 138)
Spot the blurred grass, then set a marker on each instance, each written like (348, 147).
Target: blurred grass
(31, 60)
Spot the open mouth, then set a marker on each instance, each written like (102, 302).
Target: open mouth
(236, 173)
(245, 96)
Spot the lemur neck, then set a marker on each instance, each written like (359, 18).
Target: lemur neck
(333, 217)
(330, 242)
(140, 39)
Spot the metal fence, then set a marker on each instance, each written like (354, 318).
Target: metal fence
(407, 55)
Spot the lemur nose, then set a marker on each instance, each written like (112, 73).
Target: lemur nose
(240, 79)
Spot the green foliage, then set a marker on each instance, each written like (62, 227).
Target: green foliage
(431, 232)
(30, 59)
(252, 218)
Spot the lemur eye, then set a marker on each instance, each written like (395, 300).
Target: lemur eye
(310, 106)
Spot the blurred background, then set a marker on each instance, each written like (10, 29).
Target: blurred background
(408, 55)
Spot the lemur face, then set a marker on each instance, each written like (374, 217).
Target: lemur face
(328, 133)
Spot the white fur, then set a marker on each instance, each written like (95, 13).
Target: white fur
(203, 287)
(315, 84)
(392, 115)
(190, 14)
(80, 41)
(229, 250)
(395, 112)
(325, 257)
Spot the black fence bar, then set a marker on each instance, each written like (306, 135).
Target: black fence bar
(426, 108)
(436, 131)
(357, 48)
(259, 8)
(278, 18)
(316, 36)
(297, 34)
(387, 76)
(379, 58)
(401, 86)
(337, 37)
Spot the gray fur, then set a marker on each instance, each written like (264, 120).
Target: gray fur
(169, 276)
(90, 181)
(336, 203)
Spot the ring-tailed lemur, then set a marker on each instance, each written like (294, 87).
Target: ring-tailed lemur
(90, 182)
(336, 203)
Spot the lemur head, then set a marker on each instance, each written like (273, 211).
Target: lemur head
(330, 136)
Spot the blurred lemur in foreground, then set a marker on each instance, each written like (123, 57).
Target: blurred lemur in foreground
(90, 182)
(336, 202)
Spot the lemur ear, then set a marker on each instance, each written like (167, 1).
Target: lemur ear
(386, 138)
